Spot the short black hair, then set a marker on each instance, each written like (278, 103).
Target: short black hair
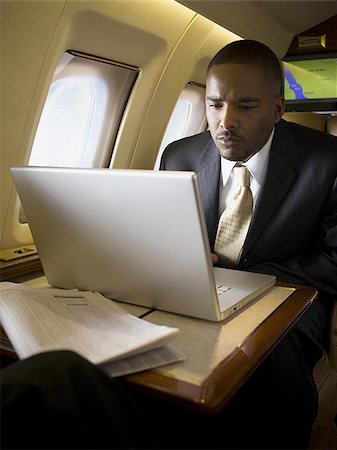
(247, 51)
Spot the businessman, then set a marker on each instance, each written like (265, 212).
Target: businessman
(292, 228)
(289, 195)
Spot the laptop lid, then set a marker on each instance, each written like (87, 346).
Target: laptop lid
(137, 236)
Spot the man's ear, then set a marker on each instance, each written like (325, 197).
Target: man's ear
(279, 111)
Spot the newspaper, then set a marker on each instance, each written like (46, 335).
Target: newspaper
(44, 319)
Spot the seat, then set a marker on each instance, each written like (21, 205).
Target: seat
(309, 119)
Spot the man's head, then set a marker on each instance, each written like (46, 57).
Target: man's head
(244, 98)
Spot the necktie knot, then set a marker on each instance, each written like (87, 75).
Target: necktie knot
(242, 175)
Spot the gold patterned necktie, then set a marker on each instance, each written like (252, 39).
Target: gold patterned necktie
(234, 221)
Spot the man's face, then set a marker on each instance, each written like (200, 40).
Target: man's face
(242, 105)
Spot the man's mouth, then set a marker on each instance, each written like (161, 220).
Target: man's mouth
(227, 140)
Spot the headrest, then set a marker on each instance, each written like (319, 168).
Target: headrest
(310, 120)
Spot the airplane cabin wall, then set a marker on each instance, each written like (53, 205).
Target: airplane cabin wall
(170, 44)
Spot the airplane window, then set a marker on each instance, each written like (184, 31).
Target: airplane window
(80, 119)
(62, 137)
(82, 112)
(188, 117)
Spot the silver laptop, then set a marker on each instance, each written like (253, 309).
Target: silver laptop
(137, 236)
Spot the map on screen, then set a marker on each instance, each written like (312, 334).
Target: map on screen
(311, 79)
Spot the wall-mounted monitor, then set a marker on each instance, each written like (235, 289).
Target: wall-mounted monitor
(310, 82)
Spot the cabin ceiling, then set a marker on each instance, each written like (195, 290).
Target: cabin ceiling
(275, 23)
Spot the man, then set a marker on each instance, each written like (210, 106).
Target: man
(292, 234)
(293, 229)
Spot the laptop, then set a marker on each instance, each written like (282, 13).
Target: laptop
(136, 236)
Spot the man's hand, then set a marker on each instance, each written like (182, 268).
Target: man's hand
(215, 259)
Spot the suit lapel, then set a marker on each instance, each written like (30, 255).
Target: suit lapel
(279, 178)
(208, 177)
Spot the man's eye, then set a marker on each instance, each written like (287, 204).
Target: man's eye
(216, 105)
(247, 107)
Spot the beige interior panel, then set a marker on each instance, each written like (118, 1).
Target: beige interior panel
(311, 120)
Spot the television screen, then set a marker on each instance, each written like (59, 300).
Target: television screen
(311, 84)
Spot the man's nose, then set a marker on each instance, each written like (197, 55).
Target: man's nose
(228, 119)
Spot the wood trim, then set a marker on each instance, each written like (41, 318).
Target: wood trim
(18, 267)
(328, 28)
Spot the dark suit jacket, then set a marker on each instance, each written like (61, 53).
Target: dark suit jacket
(293, 232)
